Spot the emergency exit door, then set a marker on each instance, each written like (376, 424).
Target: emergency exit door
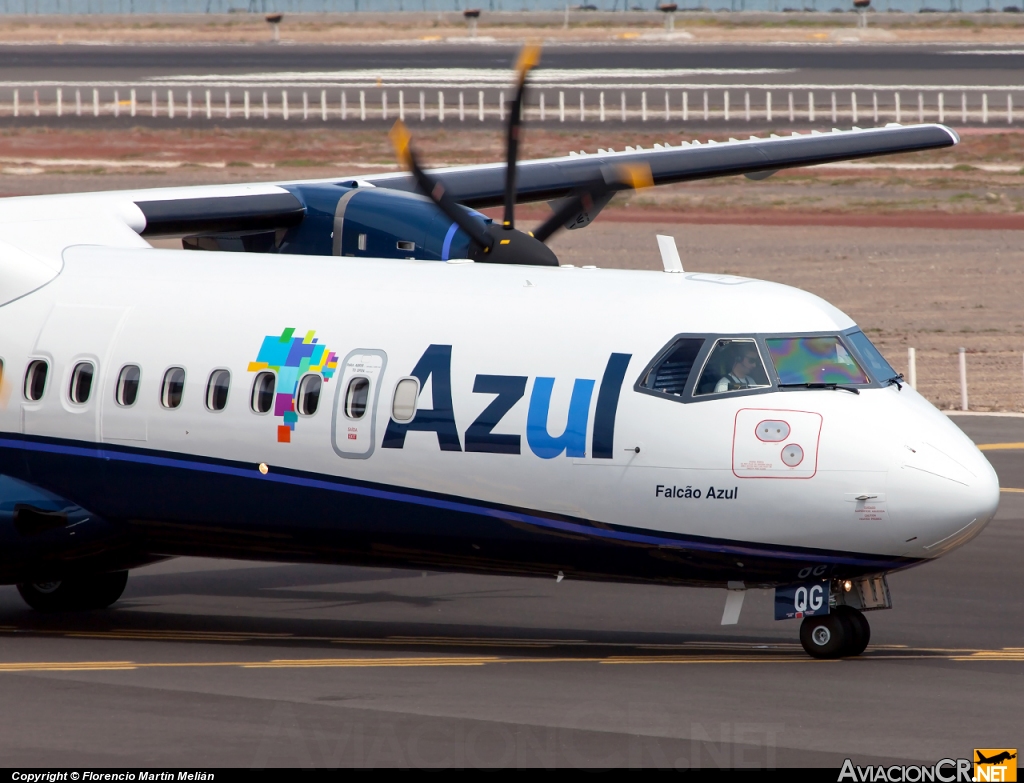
(355, 407)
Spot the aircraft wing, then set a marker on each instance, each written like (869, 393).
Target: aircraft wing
(544, 180)
(205, 209)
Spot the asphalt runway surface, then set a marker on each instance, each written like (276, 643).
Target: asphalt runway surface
(711, 86)
(868, 64)
(206, 663)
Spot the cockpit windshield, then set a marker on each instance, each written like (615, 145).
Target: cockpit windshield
(733, 365)
(741, 365)
(814, 360)
(876, 363)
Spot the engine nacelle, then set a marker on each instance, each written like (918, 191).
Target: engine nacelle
(351, 220)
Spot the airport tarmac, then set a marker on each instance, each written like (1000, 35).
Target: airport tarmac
(207, 663)
(585, 85)
(937, 65)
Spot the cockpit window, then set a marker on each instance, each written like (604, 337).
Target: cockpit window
(800, 360)
(734, 365)
(876, 363)
(669, 376)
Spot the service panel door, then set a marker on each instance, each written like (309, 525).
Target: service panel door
(355, 404)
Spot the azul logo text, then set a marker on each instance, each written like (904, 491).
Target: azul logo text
(435, 365)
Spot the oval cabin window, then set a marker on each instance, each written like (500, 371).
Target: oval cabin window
(35, 380)
(403, 404)
(262, 398)
(81, 383)
(356, 397)
(309, 394)
(127, 389)
(173, 388)
(217, 390)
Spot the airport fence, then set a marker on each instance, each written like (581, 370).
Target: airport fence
(967, 380)
(735, 106)
(788, 7)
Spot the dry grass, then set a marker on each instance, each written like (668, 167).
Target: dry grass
(312, 150)
(512, 27)
(934, 290)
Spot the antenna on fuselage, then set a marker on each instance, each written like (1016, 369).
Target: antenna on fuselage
(669, 254)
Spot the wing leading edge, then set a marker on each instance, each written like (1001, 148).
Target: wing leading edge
(482, 186)
(544, 180)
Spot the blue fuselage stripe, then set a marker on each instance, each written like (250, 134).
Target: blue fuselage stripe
(336, 485)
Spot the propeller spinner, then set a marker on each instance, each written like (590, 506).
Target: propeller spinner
(505, 244)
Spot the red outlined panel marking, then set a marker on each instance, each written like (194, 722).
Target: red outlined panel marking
(766, 455)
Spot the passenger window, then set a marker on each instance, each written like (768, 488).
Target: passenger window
(173, 388)
(671, 373)
(734, 365)
(127, 390)
(309, 394)
(403, 404)
(81, 382)
(262, 398)
(217, 390)
(35, 380)
(356, 397)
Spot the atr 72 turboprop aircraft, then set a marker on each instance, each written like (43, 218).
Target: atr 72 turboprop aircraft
(369, 371)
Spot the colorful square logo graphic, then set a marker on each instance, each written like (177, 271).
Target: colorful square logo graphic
(995, 764)
(290, 358)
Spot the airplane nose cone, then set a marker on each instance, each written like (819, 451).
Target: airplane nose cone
(942, 489)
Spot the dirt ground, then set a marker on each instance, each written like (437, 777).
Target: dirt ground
(983, 176)
(584, 27)
(919, 258)
(315, 143)
(932, 289)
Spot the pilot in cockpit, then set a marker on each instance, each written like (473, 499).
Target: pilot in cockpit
(740, 376)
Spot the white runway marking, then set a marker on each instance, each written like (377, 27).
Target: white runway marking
(459, 77)
(986, 51)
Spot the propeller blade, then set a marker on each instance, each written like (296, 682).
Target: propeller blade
(401, 140)
(529, 57)
(579, 202)
(634, 176)
(628, 176)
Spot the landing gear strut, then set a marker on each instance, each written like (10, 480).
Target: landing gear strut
(96, 591)
(833, 609)
(842, 633)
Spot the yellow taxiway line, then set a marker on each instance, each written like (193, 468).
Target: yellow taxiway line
(1000, 446)
(1009, 654)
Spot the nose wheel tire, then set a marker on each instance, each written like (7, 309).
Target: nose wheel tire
(861, 629)
(96, 591)
(843, 633)
(826, 636)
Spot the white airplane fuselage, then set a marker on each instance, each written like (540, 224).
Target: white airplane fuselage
(584, 472)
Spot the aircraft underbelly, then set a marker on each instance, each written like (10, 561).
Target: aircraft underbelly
(179, 504)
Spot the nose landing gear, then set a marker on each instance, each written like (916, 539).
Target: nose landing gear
(842, 633)
(832, 610)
